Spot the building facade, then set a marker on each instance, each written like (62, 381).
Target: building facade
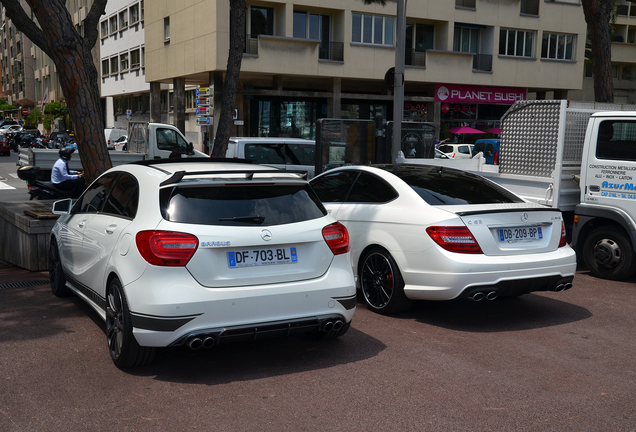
(466, 60)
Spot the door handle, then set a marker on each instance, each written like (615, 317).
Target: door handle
(81, 224)
(594, 188)
(111, 229)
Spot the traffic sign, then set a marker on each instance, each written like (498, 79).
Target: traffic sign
(25, 111)
(204, 101)
(203, 111)
(203, 91)
(204, 121)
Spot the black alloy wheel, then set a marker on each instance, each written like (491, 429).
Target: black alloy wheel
(382, 284)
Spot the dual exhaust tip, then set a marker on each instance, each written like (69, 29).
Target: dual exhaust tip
(480, 295)
(329, 326)
(491, 295)
(196, 343)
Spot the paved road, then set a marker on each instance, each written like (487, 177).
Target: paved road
(542, 362)
(11, 187)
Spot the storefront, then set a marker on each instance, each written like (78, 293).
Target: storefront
(479, 108)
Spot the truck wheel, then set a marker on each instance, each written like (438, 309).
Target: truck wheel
(608, 253)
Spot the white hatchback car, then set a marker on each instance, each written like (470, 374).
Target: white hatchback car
(423, 232)
(192, 252)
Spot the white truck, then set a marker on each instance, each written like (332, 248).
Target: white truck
(145, 141)
(579, 157)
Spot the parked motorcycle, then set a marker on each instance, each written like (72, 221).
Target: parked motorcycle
(43, 190)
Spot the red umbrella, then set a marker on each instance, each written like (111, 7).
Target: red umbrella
(465, 130)
(495, 131)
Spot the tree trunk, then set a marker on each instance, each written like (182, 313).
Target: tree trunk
(597, 15)
(238, 11)
(71, 53)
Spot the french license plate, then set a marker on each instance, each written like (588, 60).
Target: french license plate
(256, 257)
(520, 234)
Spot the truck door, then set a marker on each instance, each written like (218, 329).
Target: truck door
(610, 172)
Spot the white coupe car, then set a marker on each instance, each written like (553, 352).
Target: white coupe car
(192, 252)
(422, 232)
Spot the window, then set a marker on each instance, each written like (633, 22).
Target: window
(105, 67)
(465, 4)
(419, 37)
(530, 7)
(617, 140)
(134, 13)
(166, 29)
(372, 29)
(123, 200)
(123, 19)
(334, 187)
(190, 99)
(557, 46)
(135, 59)
(104, 28)
(589, 70)
(466, 39)
(516, 43)
(93, 199)
(261, 21)
(311, 26)
(112, 21)
(168, 139)
(123, 62)
(114, 66)
(371, 190)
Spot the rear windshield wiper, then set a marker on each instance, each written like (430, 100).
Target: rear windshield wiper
(256, 220)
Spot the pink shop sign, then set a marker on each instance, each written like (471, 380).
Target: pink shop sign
(457, 93)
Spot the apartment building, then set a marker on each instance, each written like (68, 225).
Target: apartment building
(29, 77)
(466, 60)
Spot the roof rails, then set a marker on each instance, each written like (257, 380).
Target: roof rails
(249, 174)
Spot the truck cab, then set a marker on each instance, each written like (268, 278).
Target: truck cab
(606, 214)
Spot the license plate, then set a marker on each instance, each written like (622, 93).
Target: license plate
(256, 257)
(520, 234)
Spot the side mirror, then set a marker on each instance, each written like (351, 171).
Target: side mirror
(62, 207)
(190, 149)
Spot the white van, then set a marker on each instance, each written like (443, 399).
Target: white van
(112, 135)
(279, 152)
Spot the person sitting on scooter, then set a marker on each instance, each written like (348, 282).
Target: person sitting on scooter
(65, 179)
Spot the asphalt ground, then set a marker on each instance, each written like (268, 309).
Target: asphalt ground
(542, 362)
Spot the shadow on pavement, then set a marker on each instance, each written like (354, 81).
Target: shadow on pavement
(530, 311)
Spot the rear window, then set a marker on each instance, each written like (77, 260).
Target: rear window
(442, 186)
(240, 205)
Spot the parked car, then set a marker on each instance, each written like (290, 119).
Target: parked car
(457, 151)
(5, 149)
(423, 232)
(440, 154)
(279, 152)
(489, 149)
(175, 252)
(120, 144)
(112, 135)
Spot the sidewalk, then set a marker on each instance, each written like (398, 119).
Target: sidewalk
(16, 277)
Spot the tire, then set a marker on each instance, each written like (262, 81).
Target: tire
(122, 345)
(608, 253)
(332, 334)
(56, 274)
(381, 283)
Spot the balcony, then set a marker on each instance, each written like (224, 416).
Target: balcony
(331, 51)
(415, 58)
(251, 45)
(482, 62)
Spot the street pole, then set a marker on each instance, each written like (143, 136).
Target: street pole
(398, 82)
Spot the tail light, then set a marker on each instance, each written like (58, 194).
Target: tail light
(454, 239)
(166, 248)
(337, 238)
(496, 162)
(564, 236)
